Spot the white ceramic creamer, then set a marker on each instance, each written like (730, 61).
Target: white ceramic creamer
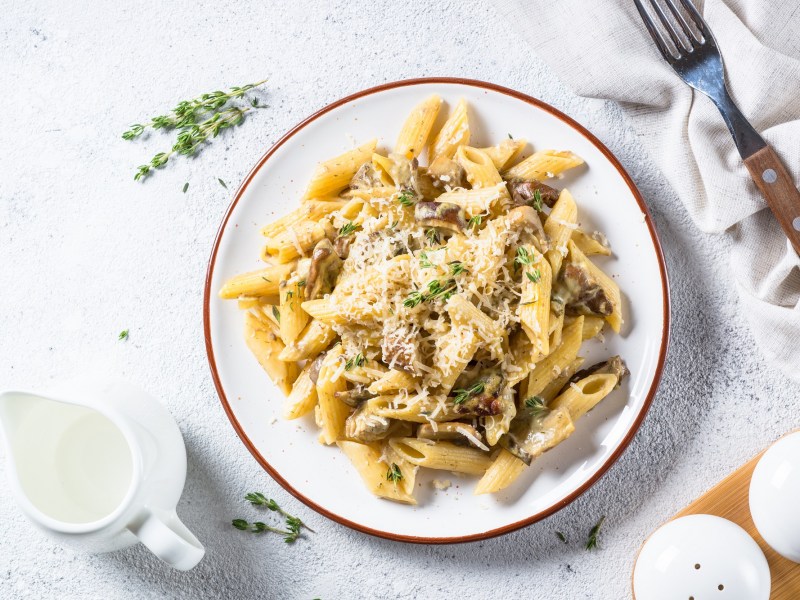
(99, 465)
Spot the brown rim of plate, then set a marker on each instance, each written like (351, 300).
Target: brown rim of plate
(664, 333)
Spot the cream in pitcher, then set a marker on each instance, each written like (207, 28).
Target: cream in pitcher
(99, 465)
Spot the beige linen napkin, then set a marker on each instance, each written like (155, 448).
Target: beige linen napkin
(601, 49)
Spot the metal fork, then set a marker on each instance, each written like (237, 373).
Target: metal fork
(696, 59)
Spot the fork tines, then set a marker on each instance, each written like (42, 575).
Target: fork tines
(685, 41)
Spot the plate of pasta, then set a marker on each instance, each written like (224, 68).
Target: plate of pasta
(437, 310)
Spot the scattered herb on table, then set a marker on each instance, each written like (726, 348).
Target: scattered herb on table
(591, 543)
(123, 335)
(196, 120)
(185, 187)
(293, 525)
(222, 183)
(561, 536)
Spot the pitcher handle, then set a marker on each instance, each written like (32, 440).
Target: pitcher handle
(168, 538)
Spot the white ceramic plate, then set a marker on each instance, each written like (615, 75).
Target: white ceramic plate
(321, 476)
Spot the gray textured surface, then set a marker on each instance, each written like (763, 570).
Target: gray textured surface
(85, 252)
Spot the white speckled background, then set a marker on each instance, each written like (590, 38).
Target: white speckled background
(85, 252)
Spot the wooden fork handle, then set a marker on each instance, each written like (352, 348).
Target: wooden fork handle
(777, 187)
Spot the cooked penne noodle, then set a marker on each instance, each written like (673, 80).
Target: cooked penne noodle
(559, 227)
(332, 411)
(366, 458)
(476, 201)
(479, 168)
(332, 176)
(303, 396)
(266, 346)
(312, 210)
(392, 381)
(505, 469)
(534, 305)
(543, 165)
(581, 397)
(263, 282)
(553, 364)
(454, 133)
(297, 240)
(293, 318)
(312, 341)
(589, 244)
(552, 389)
(442, 455)
(504, 153)
(414, 134)
(610, 288)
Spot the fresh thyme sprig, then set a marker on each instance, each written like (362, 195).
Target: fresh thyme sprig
(197, 120)
(457, 267)
(436, 289)
(591, 543)
(537, 200)
(394, 474)
(407, 198)
(432, 235)
(294, 526)
(123, 335)
(355, 362)
(348, 229)
(464, 394)
(536, 406)
(535, 276)
(187, 112)
(523, 257)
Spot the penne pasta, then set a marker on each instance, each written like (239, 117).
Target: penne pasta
(332, 176)
(415, 131)
(454, 133)
(263, 282)
(479, 168)
(505, 469)
(303, 397)
(332, 411)
(559, 227)
(581, 397)
(543, 165)
(442, 455)
(366, 458)
(266, 346)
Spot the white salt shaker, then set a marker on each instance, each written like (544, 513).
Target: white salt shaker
(775, 496)
(698, 557)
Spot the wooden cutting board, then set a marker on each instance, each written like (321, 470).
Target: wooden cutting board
(730, 499)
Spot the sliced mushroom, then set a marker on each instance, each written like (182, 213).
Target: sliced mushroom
(365, 426)
(367, 176)
(452, 431)
(342, 246)
(487, 401)
(398, 349)
(580, 292)
(523, 193)
(441, 214)
(446, 172)
(529, 438)
(614, 365)
(355, 396)
(324, 269)
(526, 221)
